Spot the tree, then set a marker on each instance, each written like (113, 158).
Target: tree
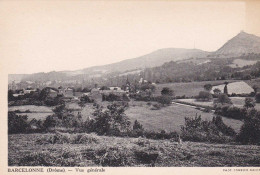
(86, 90)
(255, 87)
(10, 95)
(223, 99)
(104, 88)
(167, 91)
(208, 87)
(249, 103)
(257, 98)
(226, 88)
(137, 126)
(217, 91)
(147, 86)
(204, 96)
(82, 104)
(250, 130)
(17, 124)
(112, 121)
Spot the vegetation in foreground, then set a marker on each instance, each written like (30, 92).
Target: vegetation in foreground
(92, 150)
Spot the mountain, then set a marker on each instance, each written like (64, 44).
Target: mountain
(242, 43)
(156, 58)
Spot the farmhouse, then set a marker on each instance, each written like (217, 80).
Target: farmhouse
(240, 87)
(68, 92)
(52, 93)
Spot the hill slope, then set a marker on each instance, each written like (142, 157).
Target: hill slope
(242, 43)
(156, 58)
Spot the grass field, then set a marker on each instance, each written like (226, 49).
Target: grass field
(188, 89)
(169, 118)
(92, 150)
(193, 88)
(32, 108)
(237, 101)
(37, 112)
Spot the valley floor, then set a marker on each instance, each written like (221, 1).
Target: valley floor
(93, 150)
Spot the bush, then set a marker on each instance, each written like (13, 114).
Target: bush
(204, 96)
(230, 111)
(137, 126)
(164, 100)
(250, 130)
(86, 99)
(223, 99)
(257, 98)
(249, 103)
(113, 97)
(195, 129)
(112, 121)
(17, 124)
(167, 91)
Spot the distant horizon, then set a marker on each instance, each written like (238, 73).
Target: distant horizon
(65, 36)
(129, 58)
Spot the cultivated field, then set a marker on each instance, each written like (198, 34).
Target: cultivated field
(92, 150)
(190, 89)
(237, 101)
(241, 63)
(37, 112)
(169, 118)
(32, 108)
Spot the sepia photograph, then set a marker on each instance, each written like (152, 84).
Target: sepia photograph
(130, 84)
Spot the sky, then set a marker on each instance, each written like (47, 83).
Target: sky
(43, 36)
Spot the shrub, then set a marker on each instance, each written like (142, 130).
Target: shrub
(207, 87)
(164, 100)
(86, 99)
(113, 97)
(49, 122)
(230, 111)
(137, 126)
(223, 99)
(257, 98)
(195, 129)
(204, 96)
(167, 91)
(112, 121)
(17, 124)
(250, 130)
(249, 103)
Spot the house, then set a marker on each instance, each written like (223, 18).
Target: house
(29, 90)
(52, 93)
(68, 92)
(240, 87)
(20, 93)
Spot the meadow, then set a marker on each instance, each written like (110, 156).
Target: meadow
(169, 118)
(91, 150)
(237, 101)
(189, 89)
(37, 112)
